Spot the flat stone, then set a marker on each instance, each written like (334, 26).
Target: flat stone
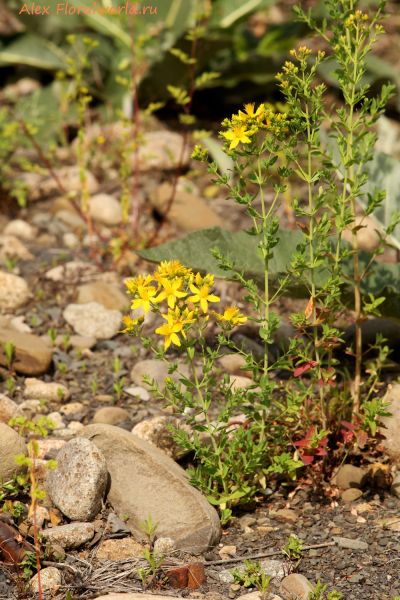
(12, 246)
(78, 485)
(93, 320)
(110, 296)
(20, 229)
(36, 388)
(119, 549)
(11, 444)
(351, 495)
(232, 363)
(110, 415)
(227, 552)
(156, 431)
(31, 356)
(73, 535)
(239, 382)
(286, 515)
(271, 568)
(73, 408)
(105, 209)
(298, 586)
(349, 476)
(145, 481)
(14, 292)
(352, 544)
(49, 578)
(9, 409)
(72, 272)
(189, 212)
(137, 391)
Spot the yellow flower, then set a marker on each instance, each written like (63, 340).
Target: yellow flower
(101, 139)
(238, 134)
(170, 291)
(146, 294)
(231, 315)
(176, 318)
(170, 331)
(249, 108)
(135, 282)
(171, 269)
(130, 324)
(202, 295)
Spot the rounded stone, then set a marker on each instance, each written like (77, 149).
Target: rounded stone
(11, 444)
(78, 484)
(9, 409)
(49, 578)
(36, 388)
(70, 536)
(298, 586)
(105, 209)
(118, 549)
(350, 476)
(14, 291)
(110, 296)
(111, 415)
(351, 495)
(164, 545)
(21, 229)
(93, 320)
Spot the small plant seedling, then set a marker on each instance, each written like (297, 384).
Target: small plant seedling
(134, 349)
(142, 575)
(263, 585)
(54, 261)
(250, 576)
(33, 320)
(60, 394)
(118, 387)
(9, 350)
(116, 365)
(154, 561)
(293, 548)
(52, 333)
(79, 353)
(42, 402)
(335, 595)
(148, 528)
(40, 293)
(66, 338)
(94, 386)
(10, 385)
(62, 367)
(125, 518)
(10, 263)
(83, 367)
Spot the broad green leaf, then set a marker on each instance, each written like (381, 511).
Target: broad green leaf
(194, 251)
(33, 51)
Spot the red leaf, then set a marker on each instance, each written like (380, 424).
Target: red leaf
(362, 438)
(348, 425)
(304, 368)
(309, 309)
(321, 452)
(307, 459)
(301, 444)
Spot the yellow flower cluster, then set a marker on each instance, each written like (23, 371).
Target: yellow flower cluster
(245, 124)
(174, 281)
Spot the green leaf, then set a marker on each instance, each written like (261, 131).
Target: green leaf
(33, 51)
(194, 251)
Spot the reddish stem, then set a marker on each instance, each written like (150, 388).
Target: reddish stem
(33, 485)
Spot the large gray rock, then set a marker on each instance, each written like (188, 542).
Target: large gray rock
(70, 536)
(11, 444)
(31, 356)
(78, 484)
(392, 424)
(145, 481)
(93, 320)
(14, 291)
